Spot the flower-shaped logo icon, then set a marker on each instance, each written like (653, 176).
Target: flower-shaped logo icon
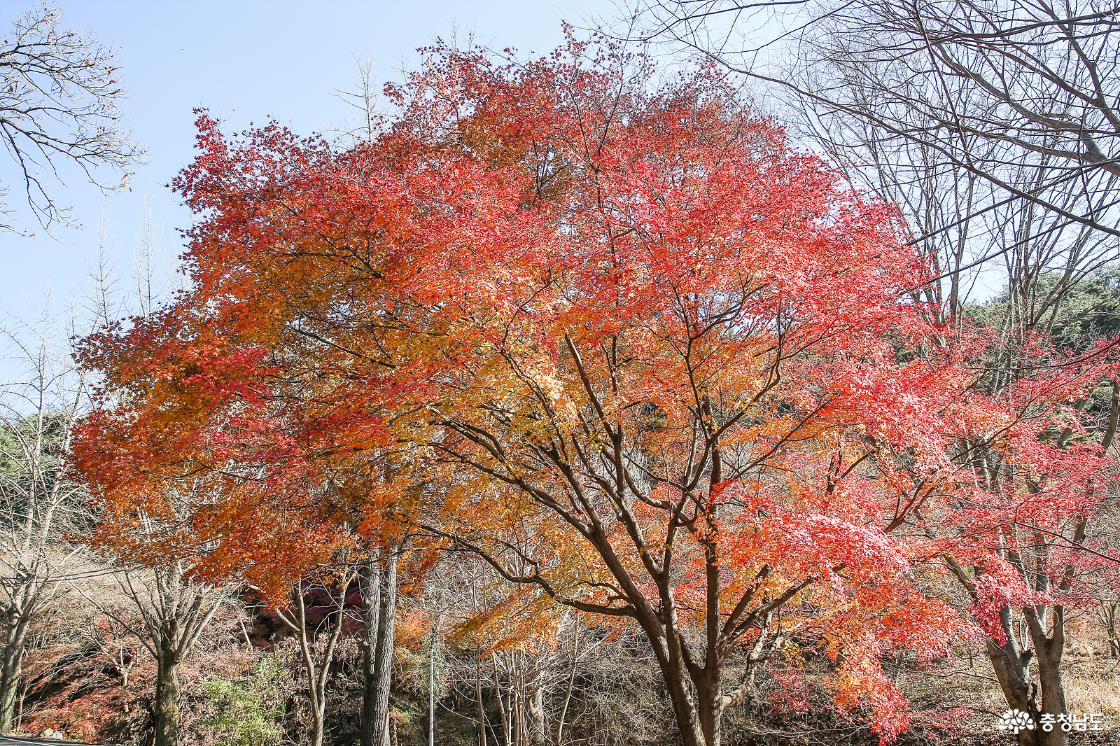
(1015, 720)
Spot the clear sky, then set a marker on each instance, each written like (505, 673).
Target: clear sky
(245, 61)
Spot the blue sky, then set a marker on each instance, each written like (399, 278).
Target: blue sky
(245, 62)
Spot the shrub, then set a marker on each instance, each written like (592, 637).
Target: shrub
(247, 711)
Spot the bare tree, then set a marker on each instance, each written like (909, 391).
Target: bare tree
(171, 611)
(364, 100)
(170, 606)
(59, 95)
(537, 678)
(41, 505)
(317, 639)
(977, 240)
(984, 85)
(1040, 260)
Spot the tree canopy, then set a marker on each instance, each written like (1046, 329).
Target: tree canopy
(622, 341)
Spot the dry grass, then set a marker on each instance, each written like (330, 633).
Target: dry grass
(1092, 687)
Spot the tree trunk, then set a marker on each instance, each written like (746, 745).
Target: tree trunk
(318, 724)
(1048, 654)
(166, 705)
(11, 668)
(684, 706)
(318, 671)
(479, 704)
(371, 616)
(379, 594)
(1053, 695)
(709, 703)
(503, 711)
(1012, 669)
(432, 683)
(666, 647)
(561, 720)
(10, 676)
(1113, 637)
(316, 695)
(534, 701)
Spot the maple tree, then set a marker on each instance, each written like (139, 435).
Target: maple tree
(621, 341)
(1021, 546)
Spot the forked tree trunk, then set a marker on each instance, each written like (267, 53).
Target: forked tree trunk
(379, 596)
(173, 612)
(1012, 669)
(318, 671)
(680, 693)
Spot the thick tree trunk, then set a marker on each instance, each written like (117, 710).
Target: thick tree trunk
(1053, 695)
(379, 594)
(11, 670)
(10, 676)
(1012, 669)
(709, 703)
(676, 679)
(684, 708)
(165, 709)
(371, 616)
(1048, 655)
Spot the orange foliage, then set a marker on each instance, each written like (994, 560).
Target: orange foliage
(625, 343)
